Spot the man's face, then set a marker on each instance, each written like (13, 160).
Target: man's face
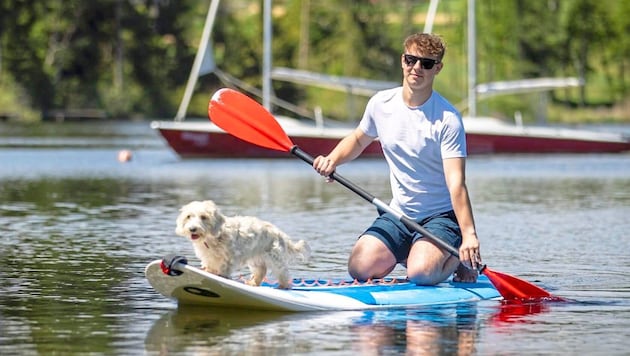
(419, 69)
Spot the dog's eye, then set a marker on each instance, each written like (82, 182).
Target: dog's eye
(204, 217)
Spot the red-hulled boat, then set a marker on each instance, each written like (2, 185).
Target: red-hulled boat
(201, 138)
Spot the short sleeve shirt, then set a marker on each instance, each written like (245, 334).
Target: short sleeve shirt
(415, 141)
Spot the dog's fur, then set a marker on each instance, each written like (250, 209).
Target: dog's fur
(224, 244)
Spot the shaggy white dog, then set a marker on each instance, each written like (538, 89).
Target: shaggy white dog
(224, 244)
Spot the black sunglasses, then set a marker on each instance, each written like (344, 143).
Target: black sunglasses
(426, 63)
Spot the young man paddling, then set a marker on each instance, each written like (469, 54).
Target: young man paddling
(424, 144)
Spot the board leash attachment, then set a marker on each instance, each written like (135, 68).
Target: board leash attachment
(169, 262)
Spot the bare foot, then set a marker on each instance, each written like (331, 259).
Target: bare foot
(465, 275)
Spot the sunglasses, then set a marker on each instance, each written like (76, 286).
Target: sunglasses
(426, 63)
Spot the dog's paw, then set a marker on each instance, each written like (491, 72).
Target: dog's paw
(252, 282)
(212, 271)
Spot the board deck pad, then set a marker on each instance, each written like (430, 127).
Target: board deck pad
(195, 286)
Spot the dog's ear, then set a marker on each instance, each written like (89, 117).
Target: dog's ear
(216, 218)
(179, 223)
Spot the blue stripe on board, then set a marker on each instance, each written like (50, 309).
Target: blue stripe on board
(401, 292)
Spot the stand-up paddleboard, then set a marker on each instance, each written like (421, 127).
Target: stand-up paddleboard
(191, 285)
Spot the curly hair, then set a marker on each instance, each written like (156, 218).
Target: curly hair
(426, 43)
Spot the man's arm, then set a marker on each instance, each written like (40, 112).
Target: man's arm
(454, 171)
(349, 148)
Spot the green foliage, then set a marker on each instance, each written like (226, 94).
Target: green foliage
(14, 102)
(77, 54)
(133, 58)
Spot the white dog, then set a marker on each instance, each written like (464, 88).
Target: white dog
(224, 244)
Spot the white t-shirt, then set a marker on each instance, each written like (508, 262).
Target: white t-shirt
(415, 140)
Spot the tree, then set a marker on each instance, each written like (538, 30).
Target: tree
(75, 54)
(590, 25)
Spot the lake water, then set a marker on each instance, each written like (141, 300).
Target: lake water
(78, 228)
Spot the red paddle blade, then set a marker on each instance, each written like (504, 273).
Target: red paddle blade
(512, 288)
(244, 118)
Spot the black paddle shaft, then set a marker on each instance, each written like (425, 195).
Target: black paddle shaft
(298, 152)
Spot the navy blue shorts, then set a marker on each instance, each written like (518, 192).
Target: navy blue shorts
(398, 238)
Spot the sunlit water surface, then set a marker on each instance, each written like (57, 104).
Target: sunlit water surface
(78, 228)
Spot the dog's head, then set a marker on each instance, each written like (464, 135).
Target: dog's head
(199, 219)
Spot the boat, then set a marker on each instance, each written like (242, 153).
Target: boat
(486, 135)
(203, 139)
(189, 285)
(199, 138)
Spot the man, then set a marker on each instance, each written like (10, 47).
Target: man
(424, 144)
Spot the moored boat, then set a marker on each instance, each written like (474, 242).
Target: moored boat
(202, 139)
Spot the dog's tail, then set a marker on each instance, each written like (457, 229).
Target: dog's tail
(300, 250)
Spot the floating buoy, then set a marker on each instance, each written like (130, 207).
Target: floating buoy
(124, 156)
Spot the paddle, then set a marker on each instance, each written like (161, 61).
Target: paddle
(244, 118)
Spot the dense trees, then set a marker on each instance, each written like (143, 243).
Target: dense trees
(132, 57)
(115, 55)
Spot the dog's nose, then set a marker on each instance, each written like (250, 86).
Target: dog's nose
(192, 229)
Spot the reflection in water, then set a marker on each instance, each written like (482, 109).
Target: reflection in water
(517, 312)
(440, 330)
(240, 332)
(437, 330)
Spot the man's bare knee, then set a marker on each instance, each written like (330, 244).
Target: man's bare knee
(363, 272)
(370, 258)
(424, 279)
(426, 274)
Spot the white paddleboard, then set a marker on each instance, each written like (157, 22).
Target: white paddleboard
(195, 286)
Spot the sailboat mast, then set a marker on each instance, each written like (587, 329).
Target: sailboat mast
(472, 60)
(266, 69)
(201, 52)
(428, 25)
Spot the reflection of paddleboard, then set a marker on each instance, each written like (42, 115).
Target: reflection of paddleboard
(195, 286)
(199, 330)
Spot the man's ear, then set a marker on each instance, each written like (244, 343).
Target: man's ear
(439, 67)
